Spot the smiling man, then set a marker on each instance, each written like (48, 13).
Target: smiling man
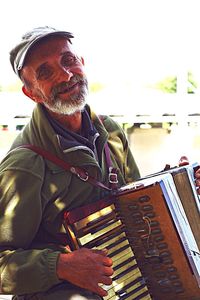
(35, 193)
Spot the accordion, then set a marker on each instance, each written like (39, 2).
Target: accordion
(151, 230)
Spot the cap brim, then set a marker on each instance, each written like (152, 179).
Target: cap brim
(21, 56)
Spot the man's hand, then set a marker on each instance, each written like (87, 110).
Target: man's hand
(197, 182)
(184, 161)
(86, 268)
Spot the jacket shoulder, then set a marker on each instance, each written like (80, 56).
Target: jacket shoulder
(110, 124)
(24, 160)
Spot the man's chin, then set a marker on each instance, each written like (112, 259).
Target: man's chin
(66, 110)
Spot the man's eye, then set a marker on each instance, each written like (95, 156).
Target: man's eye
(69, 60)
(44, 73)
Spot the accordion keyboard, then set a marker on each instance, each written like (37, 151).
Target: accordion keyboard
(104, 229)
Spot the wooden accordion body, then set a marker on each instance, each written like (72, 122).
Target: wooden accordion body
(146, 230)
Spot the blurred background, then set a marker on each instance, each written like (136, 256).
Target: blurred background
(143, 66)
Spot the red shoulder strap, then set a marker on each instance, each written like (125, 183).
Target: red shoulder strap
(81, 173)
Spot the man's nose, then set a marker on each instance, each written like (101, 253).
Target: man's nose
(67, 73)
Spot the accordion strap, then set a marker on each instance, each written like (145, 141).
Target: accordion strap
(113, 172)
(81, 173)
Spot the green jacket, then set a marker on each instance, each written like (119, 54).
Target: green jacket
(34, 193)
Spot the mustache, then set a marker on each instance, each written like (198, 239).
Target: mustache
(63, 86)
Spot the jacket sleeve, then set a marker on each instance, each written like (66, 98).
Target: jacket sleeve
(22, 269)
(131, 169)
(120, 148)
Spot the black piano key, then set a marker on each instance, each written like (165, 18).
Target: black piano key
(112, 245)
(140, 280)
(125, 272)
(96, 224)
(141, 296)
(119, 250)
(102, 226)
(101, 219)
(105, 238)
(127, 295)
(126, 262)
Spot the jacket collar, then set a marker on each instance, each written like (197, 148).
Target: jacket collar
(69, 139)
(41, 133)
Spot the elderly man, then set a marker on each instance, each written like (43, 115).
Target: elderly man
(35, 262)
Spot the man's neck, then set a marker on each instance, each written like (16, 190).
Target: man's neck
(71, 122)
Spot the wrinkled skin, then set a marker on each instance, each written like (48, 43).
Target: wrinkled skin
(87, 269)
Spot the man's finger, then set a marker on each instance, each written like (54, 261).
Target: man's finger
(183, 161)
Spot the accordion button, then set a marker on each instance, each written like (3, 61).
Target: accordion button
(138, 222)
(156, 267)
(156, 231)
(179, 290)
(150, 215)
(166, 290)
(173, 276)
(160, 274)
(147, 207)
(165, 254)
(177, 283)
(158, 238)
(162, 246)
(167, 261)
(134, 207)
(152, 252)
(136, 215)
(144, 199)
(154, 223)
(172, 269)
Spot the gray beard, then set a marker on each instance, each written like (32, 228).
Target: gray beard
(64, 108)
(69, 107)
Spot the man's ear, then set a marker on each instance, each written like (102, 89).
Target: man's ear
(29, 94)
(82, 60)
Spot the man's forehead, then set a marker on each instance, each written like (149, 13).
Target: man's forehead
(51, 43)
(49, 46)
